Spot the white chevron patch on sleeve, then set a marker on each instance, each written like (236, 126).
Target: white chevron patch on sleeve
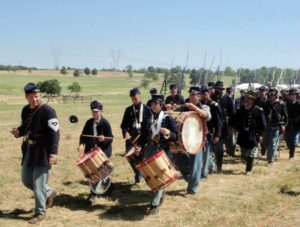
(53, 124)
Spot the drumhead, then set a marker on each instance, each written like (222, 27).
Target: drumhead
(130, 152)
(192, 134)
(101, 187)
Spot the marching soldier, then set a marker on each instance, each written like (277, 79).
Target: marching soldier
(134, 124)
(40, 131)
(153, 91)
(293, 126)
(214, 127)
(228, 110)
(261, 101)
(175, 99)
(276, 118)
(250, 123)
(161, 129)
(100, 128)
(239, 102)
(190, 165)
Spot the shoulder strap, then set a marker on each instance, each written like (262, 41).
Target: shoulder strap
(29, 119)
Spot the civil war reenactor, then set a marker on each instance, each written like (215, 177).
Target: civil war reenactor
(230, 143)
(40, 132)
(249, 121)
(261, 101)
(153, 91)
(239, 102)
(214, 127)
(228, 110)
(276, 118)
(190, 165)
(97, 133)
(134, 124)
(211, 85)
(174, 99)
(293, 126)
(160, 131)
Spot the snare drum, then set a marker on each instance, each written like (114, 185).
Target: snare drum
(95, 165)
(158, 171)
(191, 132)
(132, 157)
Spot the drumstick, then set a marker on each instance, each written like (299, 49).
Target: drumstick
(136, 138)
(91, 136)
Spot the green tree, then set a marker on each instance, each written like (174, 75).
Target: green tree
(151, 74)
(175, 76)
(76, 73)
(129, 70)
(75, 87)
(145, 83)
(229, 71)
(194, 76)
(94, 72)
(63, 70)
(87, 71)
(50, 87)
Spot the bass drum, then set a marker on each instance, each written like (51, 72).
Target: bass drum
(191, 132)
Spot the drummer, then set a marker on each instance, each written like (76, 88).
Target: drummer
(100, 128)
(161, 129)
(133, 127)
(190, 165)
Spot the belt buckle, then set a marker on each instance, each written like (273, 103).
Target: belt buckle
(246, 129)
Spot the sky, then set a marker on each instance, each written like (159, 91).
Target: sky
(161, 33)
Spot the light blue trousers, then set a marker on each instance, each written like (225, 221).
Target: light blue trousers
(36, 179)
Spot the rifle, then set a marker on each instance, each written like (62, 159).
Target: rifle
(164, 84)
(279, 78)
(206, 75)
(183, 71)
(200, 76)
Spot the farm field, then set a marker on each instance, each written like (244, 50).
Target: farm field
(270, 197)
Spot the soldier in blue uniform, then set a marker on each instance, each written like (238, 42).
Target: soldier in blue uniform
(40, 132)
(134, 123)
(175, 99)
(250, 123)
(99, 127)
(293, 126)
(190, 165)
(153, 91)
(261, 101)
(228, 110)
(239, 102)
(160, 131)
(214, 127)
(276, 118)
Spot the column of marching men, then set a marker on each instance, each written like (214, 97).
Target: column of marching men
(257, 121)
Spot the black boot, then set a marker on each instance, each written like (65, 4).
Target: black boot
(219, 161)
(249, 165)
(292, 153)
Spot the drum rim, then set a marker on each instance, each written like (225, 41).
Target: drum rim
(91, 153)
(150, 159)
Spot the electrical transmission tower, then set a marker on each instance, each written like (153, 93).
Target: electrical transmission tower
(115, 55)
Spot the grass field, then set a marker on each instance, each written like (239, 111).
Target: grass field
(270, 197)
